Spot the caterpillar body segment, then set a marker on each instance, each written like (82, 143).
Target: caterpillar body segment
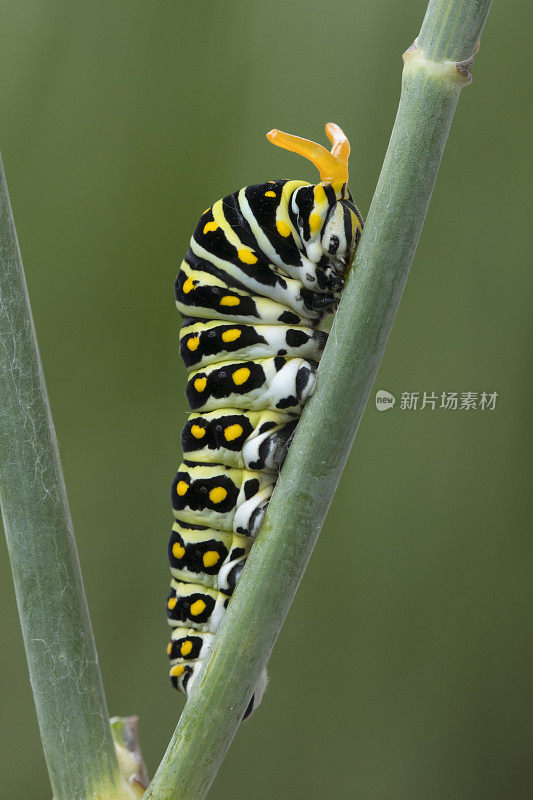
(264, 266)
(277, 383)
(205, 343)
(199, 293)
(205, 555)
(220, 497)
(235, 437)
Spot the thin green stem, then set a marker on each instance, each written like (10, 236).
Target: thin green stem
(57, 632)
(430, 91)
(452, 28)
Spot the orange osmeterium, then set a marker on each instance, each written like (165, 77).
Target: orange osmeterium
(332, 166)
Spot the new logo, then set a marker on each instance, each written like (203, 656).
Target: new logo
(384, 400)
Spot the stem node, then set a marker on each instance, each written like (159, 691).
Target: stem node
(458, 72)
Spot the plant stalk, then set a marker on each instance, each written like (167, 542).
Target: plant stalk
(431, 86)
(56, 627)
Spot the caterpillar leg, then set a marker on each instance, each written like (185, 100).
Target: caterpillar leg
(257, 696)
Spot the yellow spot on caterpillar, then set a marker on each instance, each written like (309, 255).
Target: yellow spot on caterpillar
(205, 212)
(270, 194)
(229, 300)
(177, 670)
(233, 432)
(283, 228)
(240, 376)
(169, 648)
(247, 257)
(210, 226)
(210, 558)
(320, 194)
(186, 647)
(171, 603)
(197, 607)
(218, 494)
(197, 431)
(200, 384)
(231, 335)
(181, 488)
(315, 223)
(177, 550)
(188, 286)
(193, 343)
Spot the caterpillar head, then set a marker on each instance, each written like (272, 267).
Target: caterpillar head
(328, 222)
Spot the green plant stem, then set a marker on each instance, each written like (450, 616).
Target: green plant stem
(430, 91)
(60, 648)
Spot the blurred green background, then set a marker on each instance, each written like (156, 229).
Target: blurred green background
(121, 121)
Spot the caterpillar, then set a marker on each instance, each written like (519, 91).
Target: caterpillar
(264, 266)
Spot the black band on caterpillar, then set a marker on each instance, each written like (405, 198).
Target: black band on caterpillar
(264, 266)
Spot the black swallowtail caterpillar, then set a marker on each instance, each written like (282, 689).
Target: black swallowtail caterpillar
(265, 264)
